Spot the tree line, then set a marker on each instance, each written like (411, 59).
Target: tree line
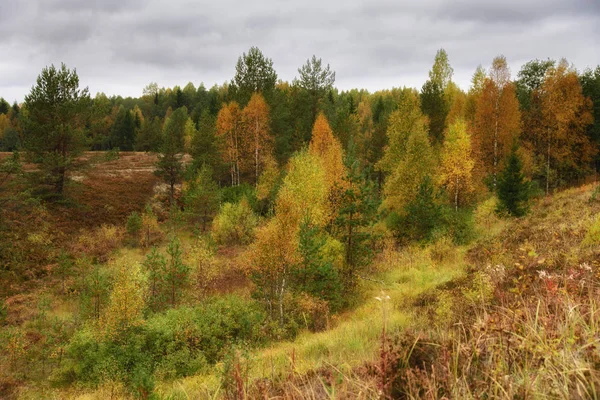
(310, 181)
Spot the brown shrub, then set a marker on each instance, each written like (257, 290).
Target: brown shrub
(98, 243)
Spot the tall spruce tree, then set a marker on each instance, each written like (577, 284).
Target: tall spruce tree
(513, 190)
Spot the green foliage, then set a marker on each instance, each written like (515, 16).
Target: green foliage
(513, 190)
(169, 165)
(176, 273)
(421, 216)
(436, 107)
(316, 80)
(123, 130)
(155, 265)
(356, 216)
(3, 312)
(590, 85)
(316, 274)
(4, 106)
(149, 137)
(530, 78)
(434, 101)
(253, 73)
(95, 287)
(201, 196)
(235, 194)
(235, 223)
(205, 147)
(459, 225)
(10, 168)
(55, 123)
(175, 344)
(592, 237)
(134, 224)
(112, 154)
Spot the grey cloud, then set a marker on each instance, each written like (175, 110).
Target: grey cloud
(120, 45)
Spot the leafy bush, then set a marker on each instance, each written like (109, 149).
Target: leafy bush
(235, 194)
(100, 242)
(177, 343)
(235, 223)
(112, 154)
(592, 237)
(420, 217)
(150, 232)
(134, 224)
(316, 276)
(442, 249)
(459, 225)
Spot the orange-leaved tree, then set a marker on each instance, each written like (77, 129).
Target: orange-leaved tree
(497, 118)
(258, 140)
(229, 127)
(566, 115)
(328, 149)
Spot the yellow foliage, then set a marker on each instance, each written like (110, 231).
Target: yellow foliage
(404, 122)
(4, 123)
(268, 178)
(403, 184)
(457, 162)
(127, 301)
(325, 146)
(150, 232)
(189, 133)
(304, 190)
(205, 269)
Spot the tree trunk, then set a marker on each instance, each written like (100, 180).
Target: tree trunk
(548, 165)
(172, 193)
(456, 195)
(496, 117)
(281, 301)
(60, 181)
(349, 246)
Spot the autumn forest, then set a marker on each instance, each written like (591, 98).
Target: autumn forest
(271, 239)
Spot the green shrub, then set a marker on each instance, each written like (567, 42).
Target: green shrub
(421, 217)
(592, 237)
(178, 343)
(235, 194)
(134, 224)
(234, 224)
(459, 225)
(112, 154)
(316, 275)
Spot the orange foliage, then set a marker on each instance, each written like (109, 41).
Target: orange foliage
(566, 114)
(325, 146)
(258, 139)
(229, 124)
(497, 124)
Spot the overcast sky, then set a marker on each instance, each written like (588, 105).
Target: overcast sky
(119, 46)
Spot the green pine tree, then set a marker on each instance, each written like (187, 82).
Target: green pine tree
(424, 213)
(169, 165)
(54, 134)
(513, 189)
(176, 274)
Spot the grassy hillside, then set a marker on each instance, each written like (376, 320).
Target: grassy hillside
(513, 314)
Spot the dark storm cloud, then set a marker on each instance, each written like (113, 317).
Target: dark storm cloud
(118, 46)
